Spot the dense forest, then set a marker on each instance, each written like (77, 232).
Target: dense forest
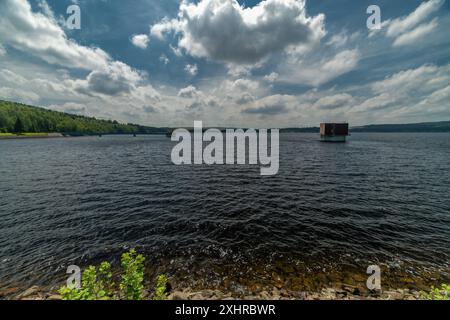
(20, 118)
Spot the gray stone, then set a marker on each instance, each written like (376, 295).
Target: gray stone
(29, 292)
(178, 295)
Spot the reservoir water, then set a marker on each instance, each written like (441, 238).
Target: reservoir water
(332, 210)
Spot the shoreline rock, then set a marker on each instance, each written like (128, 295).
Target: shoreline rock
(342, 293)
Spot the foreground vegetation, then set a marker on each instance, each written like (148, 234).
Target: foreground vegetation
(16, 118)
(98, 283)
(442, 293)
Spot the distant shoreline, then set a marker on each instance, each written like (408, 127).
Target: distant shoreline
(61, 135)
(12, 136)
(28, 136)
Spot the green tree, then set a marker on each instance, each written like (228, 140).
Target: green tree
(18, 126)
(29, 118)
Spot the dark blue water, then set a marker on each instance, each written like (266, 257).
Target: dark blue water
(381, 198)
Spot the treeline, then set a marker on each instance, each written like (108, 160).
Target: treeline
(301, 130)
(20, 118)
(442, 126)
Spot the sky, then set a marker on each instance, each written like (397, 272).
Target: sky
(229, 63)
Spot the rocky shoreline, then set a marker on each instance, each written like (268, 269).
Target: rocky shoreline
(342, 293)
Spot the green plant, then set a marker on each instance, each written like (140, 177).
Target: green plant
(132, 285)
(161, 288)
(99, 284)
(94, 287)
(70, 293)
(105, 280)
(442, 293)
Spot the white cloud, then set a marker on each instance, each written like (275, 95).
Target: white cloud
(20, 95)
(410, 29)
(418, 79)
(244, 85)
(166, 25)
(439, 98)
(70, 107)
(163, 58)
(245, 98)
(239, 70)
(316, 73)
(380, 101)
(334, 101)
(271, 77)
(11, 77)
(342, 62)
(2, 50)
(116, 79)
(43, 5)
(194, 100)
(224, 31)
(416, 34)
(176, 51)
(405, 24)
(140, 40)
(189, 92)
(40, 35)
(30, 90)
(238, 90)
(419, 94)
(343, 38)
(192, 69)
(271, 106)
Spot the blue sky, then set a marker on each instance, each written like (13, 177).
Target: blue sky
(271, 63)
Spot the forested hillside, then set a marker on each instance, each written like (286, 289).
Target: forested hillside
(442, 126)
(20, 118)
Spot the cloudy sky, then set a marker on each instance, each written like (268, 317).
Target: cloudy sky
(270, 63)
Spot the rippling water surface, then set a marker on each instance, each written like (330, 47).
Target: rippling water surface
(332, 209)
